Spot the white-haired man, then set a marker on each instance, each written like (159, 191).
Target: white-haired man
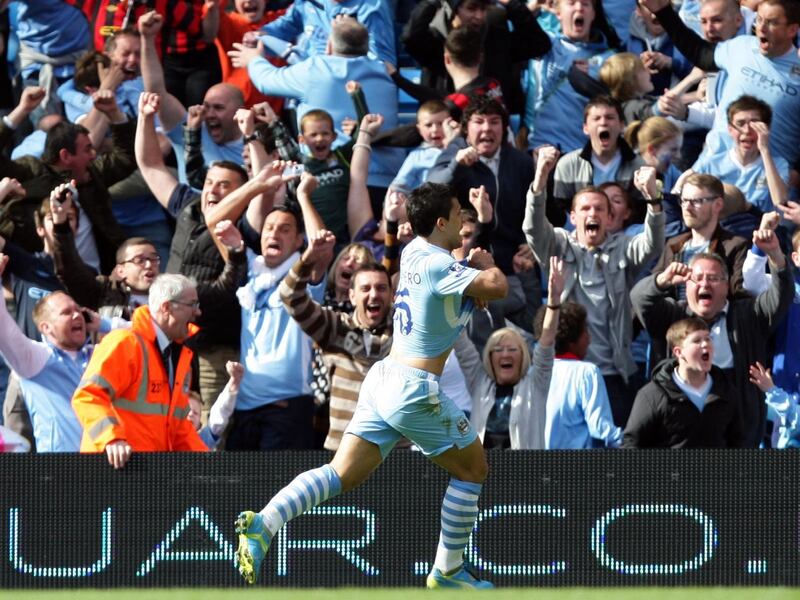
(135, 392)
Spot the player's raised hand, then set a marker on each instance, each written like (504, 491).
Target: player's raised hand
(150, 24)
(149, 103)
(480, 259)
(770, 220)
(246, 121)
(676, 273)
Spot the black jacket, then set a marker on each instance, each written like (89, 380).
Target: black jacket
(750, 322)
(663, 417)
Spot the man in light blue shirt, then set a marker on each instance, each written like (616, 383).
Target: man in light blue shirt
(765, 65)
(220, 134)
(750, 164)
(553, 108)
(275, 406)
(319, 82)
(50, 370)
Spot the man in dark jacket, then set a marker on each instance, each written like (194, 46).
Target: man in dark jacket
(505, 51)
(688, 403)
(702, 202)
(69, 155)
(483, 158)
(740, 327)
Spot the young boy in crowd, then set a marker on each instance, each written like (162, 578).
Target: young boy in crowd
(749, 164)
(578, 410)
(431, 118)
(688, 402)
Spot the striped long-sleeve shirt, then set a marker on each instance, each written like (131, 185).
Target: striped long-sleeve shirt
(349, 348)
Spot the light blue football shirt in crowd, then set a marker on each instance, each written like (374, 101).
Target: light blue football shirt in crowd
(750, 179)
(553, 109)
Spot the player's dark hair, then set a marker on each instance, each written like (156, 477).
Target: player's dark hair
(426, 204)
(291, 208)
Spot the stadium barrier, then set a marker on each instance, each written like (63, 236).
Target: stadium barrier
(590, 518)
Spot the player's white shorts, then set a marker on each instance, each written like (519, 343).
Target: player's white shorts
(398, 401)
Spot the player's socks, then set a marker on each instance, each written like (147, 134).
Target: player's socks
(306, 491)
(459, 511)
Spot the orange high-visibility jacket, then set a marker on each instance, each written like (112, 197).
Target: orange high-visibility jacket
(125, 395)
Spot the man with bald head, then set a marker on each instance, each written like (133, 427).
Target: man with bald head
(721, 20)
(319, 83)
(220, 136)
(49, 371)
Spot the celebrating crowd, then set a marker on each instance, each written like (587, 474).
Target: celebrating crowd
(203, 213)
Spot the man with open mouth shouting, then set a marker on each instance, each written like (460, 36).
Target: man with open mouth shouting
(764, 65)
(605, 157)
(740, 327)
(602, 268)
(689, 402)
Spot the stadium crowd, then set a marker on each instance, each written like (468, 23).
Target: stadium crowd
(202, 211)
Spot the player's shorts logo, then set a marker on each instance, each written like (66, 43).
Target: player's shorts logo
(463, 426)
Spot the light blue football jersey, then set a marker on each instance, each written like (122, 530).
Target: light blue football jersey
(430, 309)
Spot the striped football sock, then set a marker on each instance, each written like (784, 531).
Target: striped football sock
(306, 491)
(459, 511)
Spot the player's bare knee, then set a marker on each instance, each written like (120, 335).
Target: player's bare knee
(474, 471)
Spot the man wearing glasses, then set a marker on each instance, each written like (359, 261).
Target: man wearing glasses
(764, 65)
(701, 202)
(740, 327)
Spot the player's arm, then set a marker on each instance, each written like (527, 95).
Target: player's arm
(491, 283)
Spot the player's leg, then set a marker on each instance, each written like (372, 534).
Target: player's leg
(366, 441)
(468, 469)
(441, 430)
